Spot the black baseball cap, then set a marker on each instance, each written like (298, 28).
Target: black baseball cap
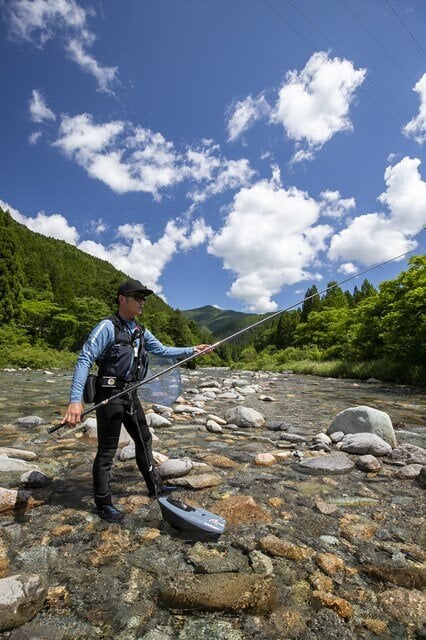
(133, 286)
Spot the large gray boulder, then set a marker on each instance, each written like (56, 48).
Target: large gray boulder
(364, 419)
(21, 597)
(244, 417)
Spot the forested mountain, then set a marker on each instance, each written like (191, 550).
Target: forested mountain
(52, 294)
(220, 322)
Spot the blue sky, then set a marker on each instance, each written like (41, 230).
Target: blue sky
(224, 152)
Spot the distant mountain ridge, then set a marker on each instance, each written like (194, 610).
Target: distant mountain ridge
(220, 322)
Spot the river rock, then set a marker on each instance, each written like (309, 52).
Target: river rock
(13, 464)
(209, 384)
(213, 427)
(409, 471)
(284, 549)
(292, 437)
(233, 592)
(21, 597)
(244, 417)
(217, 419)
(409, 453)
(30, 421)
(17, 453)
(364, 419)
(175, 467)
(35, 479)
(238, 510)
(337, 436)
(368, 463)
(265, 459)
(365, 443)
(328, 464)
(199, 481)
(261, 563)
(157, 421)
(212, 560)
(186, 408)
(127, 453)
(421, 478)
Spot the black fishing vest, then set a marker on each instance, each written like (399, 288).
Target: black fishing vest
(123, 360)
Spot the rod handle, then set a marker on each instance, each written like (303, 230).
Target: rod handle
(55, 428)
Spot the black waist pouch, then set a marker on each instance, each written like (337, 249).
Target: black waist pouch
(89, 389)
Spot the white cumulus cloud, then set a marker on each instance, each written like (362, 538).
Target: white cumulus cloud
(313, 105)
(53, 226)
(144, 259)
(133, 159)
(416, 128)
(333, 205)
(37, 21)
(270, 238)
(244, 113)
(374, 237)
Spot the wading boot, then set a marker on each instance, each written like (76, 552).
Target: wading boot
(110, 514)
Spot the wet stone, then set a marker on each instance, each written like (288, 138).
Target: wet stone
(329, 464)
(231, 592)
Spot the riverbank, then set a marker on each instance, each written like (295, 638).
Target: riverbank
(303, 555)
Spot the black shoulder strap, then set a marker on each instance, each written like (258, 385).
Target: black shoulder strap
(119, 324)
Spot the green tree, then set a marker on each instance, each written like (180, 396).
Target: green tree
(329, 329)
(392, 323)
(286, 329)
(11, 276)
(312, 302)
(334, 298)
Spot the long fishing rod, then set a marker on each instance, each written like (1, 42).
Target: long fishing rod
(136, 385)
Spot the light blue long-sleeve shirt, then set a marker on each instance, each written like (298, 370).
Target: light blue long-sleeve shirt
(102, 336)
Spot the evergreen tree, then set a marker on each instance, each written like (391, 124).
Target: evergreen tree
(10, 273)
(286, 329)
(312, 302)
(334, 298)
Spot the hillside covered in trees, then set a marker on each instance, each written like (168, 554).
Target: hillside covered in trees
(52, 294)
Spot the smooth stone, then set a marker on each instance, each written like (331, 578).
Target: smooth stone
(162, 409)
(213, 427)
(244, 417)
(267, 398)
(209, 384)
(233, 592)
(217, 419)
(368, 463)
(246, 391)
(13, 464)
(35, 479)
(175, 467)
(328, 464)
(229, 395)
(157, 421)
(364, 419)
(199, 481)
(18, 453)
(410, 471)
(127, 453)
(30, 421)
(21, 597)
(185, 408)
(284, 549)
(265, 459)
(292, 437)
(322, 437)
(365, 443)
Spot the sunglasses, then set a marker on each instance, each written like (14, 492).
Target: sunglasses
(137, 296)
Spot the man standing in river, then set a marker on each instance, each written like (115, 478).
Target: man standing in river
(119, 346)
